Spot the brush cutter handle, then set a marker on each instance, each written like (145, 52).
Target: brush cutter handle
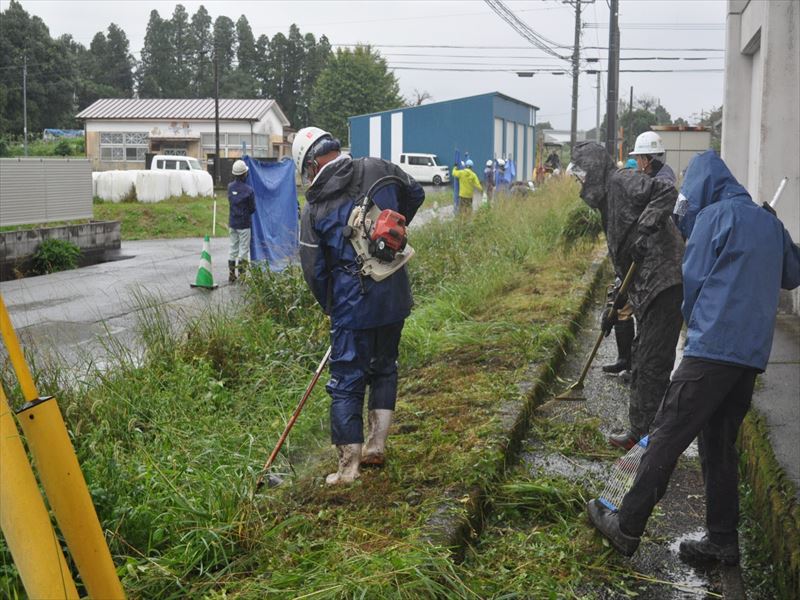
(296, 414)
(623, 288)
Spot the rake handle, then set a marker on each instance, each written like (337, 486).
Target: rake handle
(623, 288)
(292, 420)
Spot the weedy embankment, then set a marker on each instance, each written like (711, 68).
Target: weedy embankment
(172, 447)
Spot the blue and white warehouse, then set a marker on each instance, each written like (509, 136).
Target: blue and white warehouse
(488, 126)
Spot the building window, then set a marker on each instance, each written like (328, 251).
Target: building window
(128, 146)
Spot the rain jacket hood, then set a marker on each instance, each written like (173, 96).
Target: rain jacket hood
(633, 206)
(738, 256)
(596, 162)
(707, 180)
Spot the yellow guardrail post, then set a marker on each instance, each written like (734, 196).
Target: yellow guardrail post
(61, 477)
(25, 521)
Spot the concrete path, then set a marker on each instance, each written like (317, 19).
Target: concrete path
(777, 397)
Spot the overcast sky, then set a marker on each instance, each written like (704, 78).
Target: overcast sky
(670, 26)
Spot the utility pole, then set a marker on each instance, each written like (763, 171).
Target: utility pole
(630, 118)
(613, 78)
(576, 58)
(216, 117)
(597, 128)
(25, 102)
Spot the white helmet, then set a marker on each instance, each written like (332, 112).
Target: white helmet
(501, 163)
(489, 163)
(648, 142)
(239, 168)
(303, 141)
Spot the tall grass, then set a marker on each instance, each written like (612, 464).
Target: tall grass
(171, 445)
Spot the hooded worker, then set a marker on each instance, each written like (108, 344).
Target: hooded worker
(366, 315)
(242, 205)
(636, 214)
(738, 257)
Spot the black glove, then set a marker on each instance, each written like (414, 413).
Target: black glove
(639, 249)
(769, 209)
(606, 321)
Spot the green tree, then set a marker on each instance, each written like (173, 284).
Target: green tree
(51, 73)
(242, 81)
(354, 82)
(202, 49)
(224, 51)
(315, 58)
(182, 48)
(156, 68)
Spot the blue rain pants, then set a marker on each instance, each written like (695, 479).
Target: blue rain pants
(360, 357)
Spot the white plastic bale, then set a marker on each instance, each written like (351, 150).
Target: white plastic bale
(152, 186)
(188, 183)
(103, 185)
(175, 183)
(205, 183)
(122, 184)
(95, 175)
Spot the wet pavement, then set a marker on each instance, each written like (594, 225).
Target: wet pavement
(680, 514)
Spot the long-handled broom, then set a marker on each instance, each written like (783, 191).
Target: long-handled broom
(575, 391)
(274, 479)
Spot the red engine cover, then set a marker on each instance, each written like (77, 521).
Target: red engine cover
(391, 226)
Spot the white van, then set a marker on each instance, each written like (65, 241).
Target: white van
(424, 168)
(163, 162)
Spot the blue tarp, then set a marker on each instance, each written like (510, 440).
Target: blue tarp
(275, 222)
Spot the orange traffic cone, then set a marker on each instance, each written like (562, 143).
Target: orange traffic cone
(205, 278)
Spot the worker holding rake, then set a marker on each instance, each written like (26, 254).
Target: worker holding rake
(352, 250)
(738, 257)
(636, 213)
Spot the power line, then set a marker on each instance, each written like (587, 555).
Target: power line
(511, 57)
(475, 47)
(522, 28)
(663, 26)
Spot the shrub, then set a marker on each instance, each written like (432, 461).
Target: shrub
(63, 148)
(55, 255)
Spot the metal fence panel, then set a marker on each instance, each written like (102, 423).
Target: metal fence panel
(43, 190)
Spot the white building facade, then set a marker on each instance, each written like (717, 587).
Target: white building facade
(120, 132)
(761, 108)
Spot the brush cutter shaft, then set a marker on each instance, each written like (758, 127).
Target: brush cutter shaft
(623, 288)
(296, 414)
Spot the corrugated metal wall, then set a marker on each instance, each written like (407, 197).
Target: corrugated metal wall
(43, 190)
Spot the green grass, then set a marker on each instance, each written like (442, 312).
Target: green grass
(171, 447)
(55, 148)
(173, 218)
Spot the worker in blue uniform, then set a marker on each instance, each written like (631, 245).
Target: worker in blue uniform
(366, 315)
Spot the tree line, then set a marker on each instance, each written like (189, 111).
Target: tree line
(310, 82)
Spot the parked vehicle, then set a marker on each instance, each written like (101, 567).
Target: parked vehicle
(424, 168)
(175, 163)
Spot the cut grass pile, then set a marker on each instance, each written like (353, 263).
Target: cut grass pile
(171, 448)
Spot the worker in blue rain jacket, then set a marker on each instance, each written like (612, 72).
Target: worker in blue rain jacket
(366, 315)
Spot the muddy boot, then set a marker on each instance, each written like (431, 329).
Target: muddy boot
(243, 269)
(624, 333)
(231, 271)
(349, 457)
(379, 422)
(607, 523)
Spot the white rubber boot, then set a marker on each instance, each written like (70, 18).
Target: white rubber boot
(374, 452)
(349, 458)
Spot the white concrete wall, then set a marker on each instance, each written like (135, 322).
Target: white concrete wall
(761, 107)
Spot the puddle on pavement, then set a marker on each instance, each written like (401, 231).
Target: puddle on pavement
(690, 583)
